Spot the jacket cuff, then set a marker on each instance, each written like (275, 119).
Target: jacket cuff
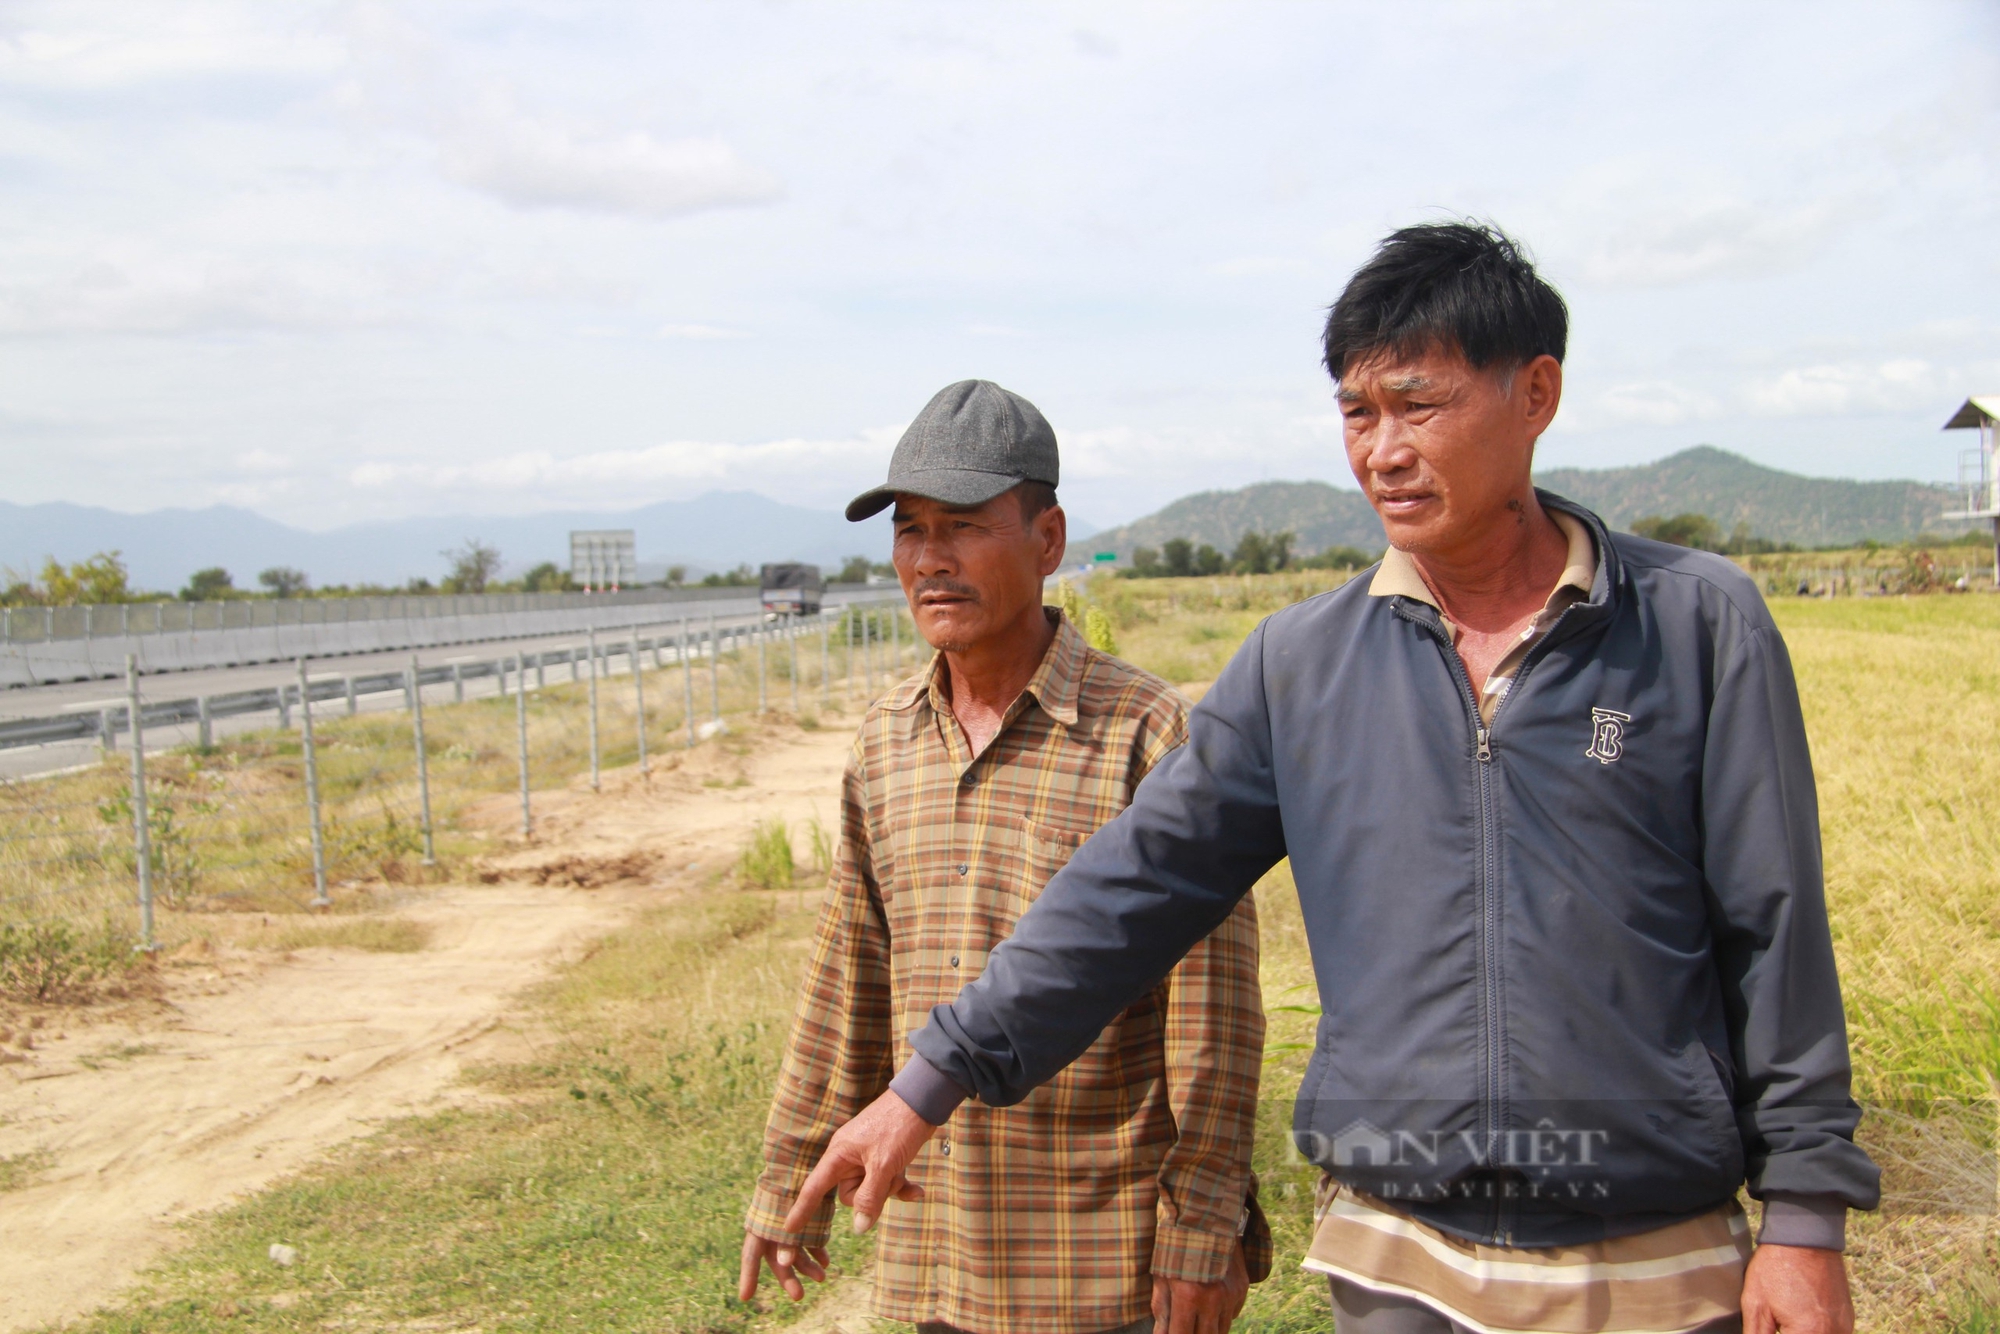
(1816, 1221)
(1191, 1256)
(929, 1092)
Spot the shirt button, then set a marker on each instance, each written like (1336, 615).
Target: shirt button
(971, 778)
(961, 868)
(945, 1148)
(954, 961)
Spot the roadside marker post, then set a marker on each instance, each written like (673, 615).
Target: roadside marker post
(319, 899)
(423, 762)
(763, 692)
(825, 663)
(142, 831)
(204, 726)
(593, 709)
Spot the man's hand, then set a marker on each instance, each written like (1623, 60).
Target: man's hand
(786, 1265)
(1181, 1307)
(1796, 1290)
(866, 1160)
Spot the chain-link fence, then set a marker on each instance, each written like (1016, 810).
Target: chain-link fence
(277, 818)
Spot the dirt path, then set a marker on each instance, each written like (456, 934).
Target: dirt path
(258, 1062)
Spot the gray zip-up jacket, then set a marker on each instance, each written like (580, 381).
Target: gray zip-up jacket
(1575, 967)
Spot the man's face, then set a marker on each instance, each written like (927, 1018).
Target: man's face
(1443, 451)
(972, 573)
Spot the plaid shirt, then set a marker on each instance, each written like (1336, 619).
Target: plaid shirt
(1051, 1216)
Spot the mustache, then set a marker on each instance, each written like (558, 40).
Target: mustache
(939, 584)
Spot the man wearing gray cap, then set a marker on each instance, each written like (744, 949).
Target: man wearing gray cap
(1119, 1194)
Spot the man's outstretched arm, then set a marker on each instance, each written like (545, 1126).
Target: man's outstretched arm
(1135, 899)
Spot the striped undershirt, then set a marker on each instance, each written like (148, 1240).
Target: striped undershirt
(1667, 1281)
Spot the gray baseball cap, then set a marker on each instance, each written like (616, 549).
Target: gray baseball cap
(972, 441)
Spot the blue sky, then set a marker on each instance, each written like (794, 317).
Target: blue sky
(350, 261)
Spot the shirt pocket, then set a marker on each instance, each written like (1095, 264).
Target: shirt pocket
(1048, 849)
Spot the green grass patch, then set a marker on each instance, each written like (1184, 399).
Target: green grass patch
(378, 935)
(22, 1169)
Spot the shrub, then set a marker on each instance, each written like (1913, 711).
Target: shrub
(767, 861)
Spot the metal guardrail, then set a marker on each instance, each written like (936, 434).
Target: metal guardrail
(40, 625)
(101, 654)
(106, 723)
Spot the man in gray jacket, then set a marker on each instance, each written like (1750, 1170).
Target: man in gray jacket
(1548, 803)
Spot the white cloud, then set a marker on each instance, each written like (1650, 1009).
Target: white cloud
(1642, 403)
(100, 47)
(1727, 237)
(701, 333)
(528, 162)
(820, 469)
(123, 291)
(1836, 388)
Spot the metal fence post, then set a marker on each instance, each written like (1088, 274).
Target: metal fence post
(825, 663)
(541, 670)
(792, 640)
(285, 707)
(850, 653)
(319, 899)
(687, 682)
(458, 682)
(521, 734)
(353, 705)
(107, 732)
(423, 762)
(204, 725)
(714, 672)
(639, 702)
(763, 694)
(593, 709)
(142, 830)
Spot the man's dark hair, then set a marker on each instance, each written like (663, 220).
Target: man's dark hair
(1035, 497)
(1447, 286)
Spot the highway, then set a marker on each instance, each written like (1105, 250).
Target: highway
(93, 696)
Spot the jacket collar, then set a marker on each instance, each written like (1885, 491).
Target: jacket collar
(1397, 576)
(1055, 686)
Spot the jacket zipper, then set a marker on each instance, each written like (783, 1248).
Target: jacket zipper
(1489, 913)
(1501, 1219)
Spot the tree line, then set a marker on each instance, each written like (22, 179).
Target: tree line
(471, 567)
(1255, 553)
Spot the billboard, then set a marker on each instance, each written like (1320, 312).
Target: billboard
(603, 559)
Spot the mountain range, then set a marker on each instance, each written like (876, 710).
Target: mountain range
(726, 528)
(163, 547)
(1730, 489)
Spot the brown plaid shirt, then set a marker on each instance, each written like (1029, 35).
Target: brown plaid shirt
(1053, 1215)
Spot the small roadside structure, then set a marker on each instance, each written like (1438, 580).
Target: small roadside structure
(1978, 468)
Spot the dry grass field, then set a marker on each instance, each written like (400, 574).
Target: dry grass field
(604, 1188)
